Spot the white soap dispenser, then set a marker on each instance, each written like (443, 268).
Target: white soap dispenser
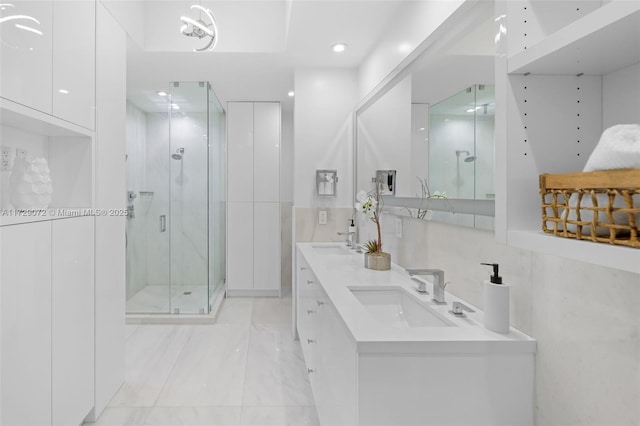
(496, 302)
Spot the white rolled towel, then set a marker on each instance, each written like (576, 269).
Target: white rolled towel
(618, 148)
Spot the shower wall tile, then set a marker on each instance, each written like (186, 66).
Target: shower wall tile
(189, 208)
(136, 228)
(158, 158)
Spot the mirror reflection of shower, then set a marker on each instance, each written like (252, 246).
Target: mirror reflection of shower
(179, 153)
(468, 159)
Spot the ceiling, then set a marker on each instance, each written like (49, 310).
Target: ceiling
(261, 43)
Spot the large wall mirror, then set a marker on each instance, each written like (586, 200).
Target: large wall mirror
(433, 122)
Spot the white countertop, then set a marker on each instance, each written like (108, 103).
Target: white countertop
(336, 273)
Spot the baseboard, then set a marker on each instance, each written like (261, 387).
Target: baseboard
(253, 293)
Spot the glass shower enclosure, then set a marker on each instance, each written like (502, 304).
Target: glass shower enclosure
(176, 199)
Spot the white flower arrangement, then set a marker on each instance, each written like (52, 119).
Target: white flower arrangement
(369, 204)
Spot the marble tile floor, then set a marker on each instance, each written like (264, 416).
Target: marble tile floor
(243, 370)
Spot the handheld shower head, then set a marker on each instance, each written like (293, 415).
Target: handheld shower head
(178, 154)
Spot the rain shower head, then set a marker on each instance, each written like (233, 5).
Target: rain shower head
(178, 154)
(469, 158)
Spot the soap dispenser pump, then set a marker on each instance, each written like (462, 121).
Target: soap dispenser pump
(496, 302)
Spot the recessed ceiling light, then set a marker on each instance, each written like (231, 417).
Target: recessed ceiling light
(291, 93)
(175, 106)
(161, 93)
(63, 91)
(340, 47)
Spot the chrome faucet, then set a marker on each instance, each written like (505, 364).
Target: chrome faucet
(438, 283)
(349, 239)
(457, 309)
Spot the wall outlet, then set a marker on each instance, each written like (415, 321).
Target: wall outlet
(398, 227)
(5, 159)
(322, 217)
(21, 153)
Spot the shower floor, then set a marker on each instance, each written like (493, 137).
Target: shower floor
(161, 299)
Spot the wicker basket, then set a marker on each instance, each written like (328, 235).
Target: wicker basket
(602, 206)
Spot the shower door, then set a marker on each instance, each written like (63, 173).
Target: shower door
(174, 263)
(188, 223)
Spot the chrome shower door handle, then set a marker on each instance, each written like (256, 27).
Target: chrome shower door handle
(163, 222)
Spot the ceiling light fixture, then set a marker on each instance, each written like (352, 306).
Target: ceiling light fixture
(339, 47)
(199, 28)
(175, 106)
(161, 93)
(291, 93)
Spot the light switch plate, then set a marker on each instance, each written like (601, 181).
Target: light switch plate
(322, 217)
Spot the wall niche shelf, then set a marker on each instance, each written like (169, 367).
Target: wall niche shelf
(565, 72)
(602, 41)
(69, 150)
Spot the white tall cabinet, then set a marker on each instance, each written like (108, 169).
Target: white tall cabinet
(253, 199)
(62, 268)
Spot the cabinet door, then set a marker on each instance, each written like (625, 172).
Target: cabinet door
(240, 151)
(72, 319)
(26, 54)
(240, 246)
(266, 152)
(25, 295)
(74, 38)
(266, 246)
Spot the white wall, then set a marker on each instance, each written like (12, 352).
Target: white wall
(413, 23)
(323, 133)
(621, 97)
(323, 139)
(130, 15)
(384, 139)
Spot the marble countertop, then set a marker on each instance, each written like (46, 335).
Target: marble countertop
(337, 273)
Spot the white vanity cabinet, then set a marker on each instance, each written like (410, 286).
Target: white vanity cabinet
(370, 365)
(329, 351)
(253, 191)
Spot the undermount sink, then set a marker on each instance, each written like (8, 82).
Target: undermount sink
(396, 308)
(332, 249)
